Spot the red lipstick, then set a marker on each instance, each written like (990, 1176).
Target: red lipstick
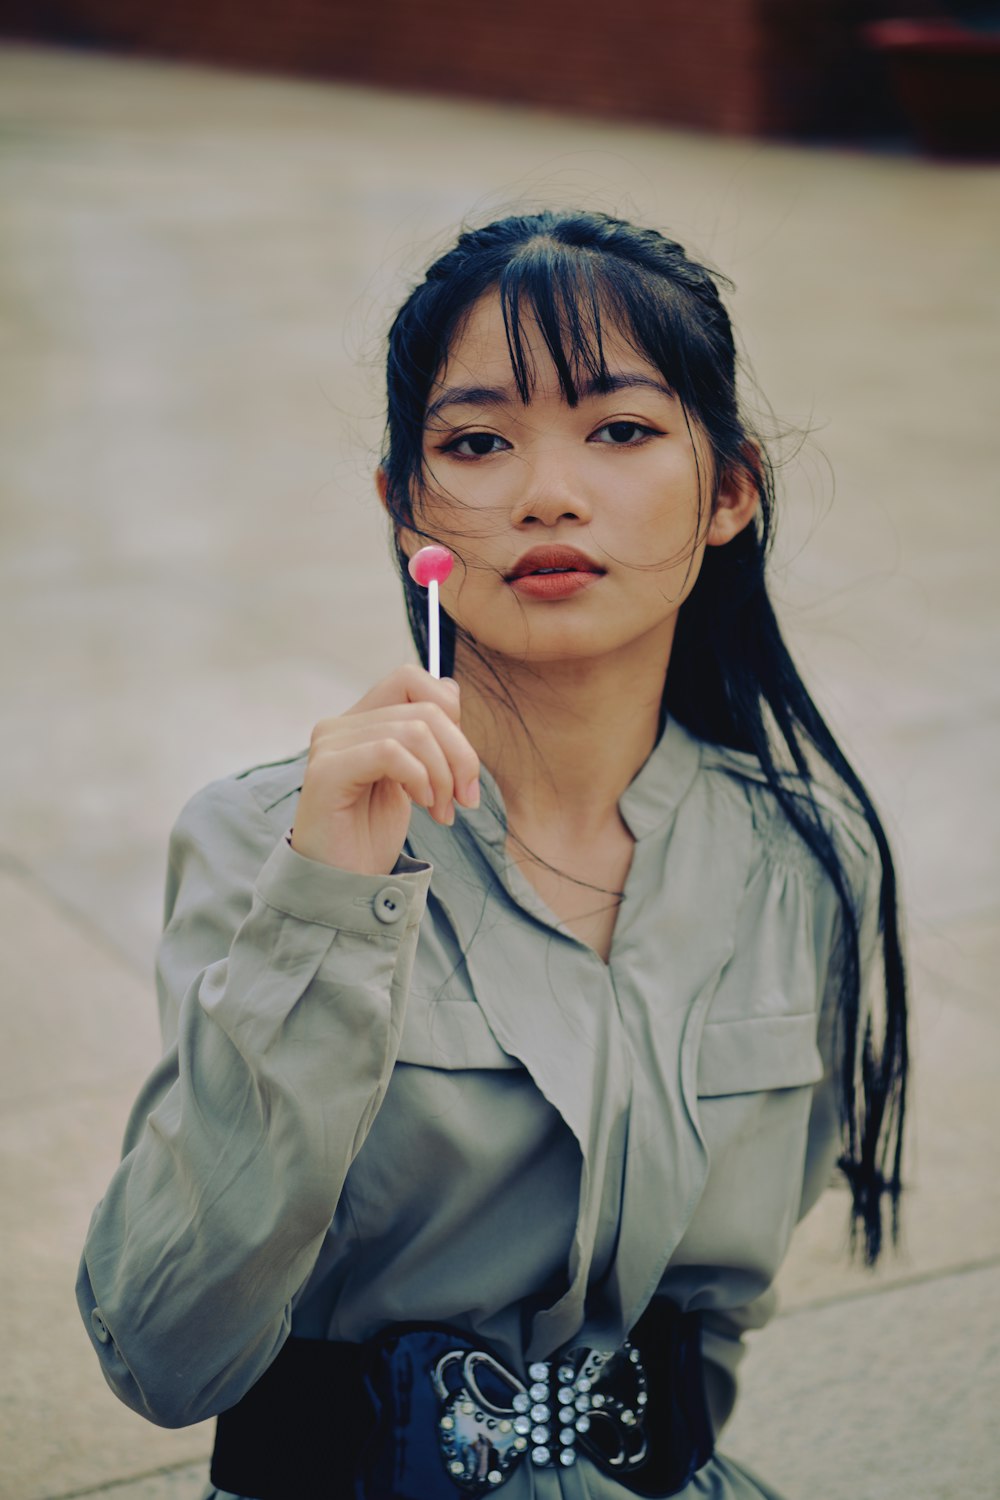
(553, 572)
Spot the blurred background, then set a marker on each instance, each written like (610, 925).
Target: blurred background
(207, 216)
(848, 68)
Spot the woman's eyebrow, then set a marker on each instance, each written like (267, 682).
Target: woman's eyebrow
(607, 384)
(471, 395)
(597, 385)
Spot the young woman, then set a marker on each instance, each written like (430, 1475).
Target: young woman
(511, 1030)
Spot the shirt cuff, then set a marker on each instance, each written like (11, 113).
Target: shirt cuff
(383, 906)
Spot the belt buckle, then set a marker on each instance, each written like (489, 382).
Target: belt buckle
(481, 1435)
(489, 1421)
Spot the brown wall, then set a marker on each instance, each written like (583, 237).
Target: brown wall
(746, 66)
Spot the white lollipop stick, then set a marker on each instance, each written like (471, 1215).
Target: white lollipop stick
(433, 630)
(430, 567)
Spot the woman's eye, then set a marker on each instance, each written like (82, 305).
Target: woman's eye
(476, 445)
(623, 434)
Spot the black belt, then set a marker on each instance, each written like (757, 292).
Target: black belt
(420, 1413)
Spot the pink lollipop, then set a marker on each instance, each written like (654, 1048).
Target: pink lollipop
(429, 567)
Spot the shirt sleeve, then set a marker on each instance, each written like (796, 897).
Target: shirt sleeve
(282, 987)
(722, 1350)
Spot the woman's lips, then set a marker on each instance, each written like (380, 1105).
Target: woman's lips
(552, 585)
(553, 572)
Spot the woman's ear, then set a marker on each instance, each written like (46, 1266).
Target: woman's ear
(737, 500)
(382, 485)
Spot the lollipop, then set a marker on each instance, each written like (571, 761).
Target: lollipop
(429, 567)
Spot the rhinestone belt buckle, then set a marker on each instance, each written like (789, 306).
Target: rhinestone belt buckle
(490, 1421)
(479, 1442)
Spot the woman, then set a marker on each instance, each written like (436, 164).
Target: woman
(510, 1031)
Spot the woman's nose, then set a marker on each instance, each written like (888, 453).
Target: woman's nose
(549, 492)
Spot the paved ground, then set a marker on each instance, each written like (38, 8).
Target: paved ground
(196, 271)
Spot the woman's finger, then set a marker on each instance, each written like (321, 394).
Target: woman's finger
(426, 730)
(418, 737)
(360, 767)
(411, 684)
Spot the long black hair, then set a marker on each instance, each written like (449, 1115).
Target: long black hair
(731, 679)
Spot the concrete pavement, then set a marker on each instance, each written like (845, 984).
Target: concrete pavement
(196, 273)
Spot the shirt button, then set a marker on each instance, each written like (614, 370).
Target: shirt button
(389, 904)
(99, 1326)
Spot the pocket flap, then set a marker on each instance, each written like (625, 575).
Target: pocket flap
(757, 1053)
(450, 1034)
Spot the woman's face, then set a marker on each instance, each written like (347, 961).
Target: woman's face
(612, 485)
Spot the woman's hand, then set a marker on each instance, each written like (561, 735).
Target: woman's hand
(400, 744)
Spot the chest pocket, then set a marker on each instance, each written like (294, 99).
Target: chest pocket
(450, 1034)
(756, 1054)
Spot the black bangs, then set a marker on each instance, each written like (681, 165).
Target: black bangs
(573, 294)
(563, 294)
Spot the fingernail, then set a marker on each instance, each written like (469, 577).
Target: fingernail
(470, 794)
(453, 683)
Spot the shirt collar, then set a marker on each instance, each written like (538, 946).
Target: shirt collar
(662, 783)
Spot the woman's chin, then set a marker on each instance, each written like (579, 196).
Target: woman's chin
(554, 649)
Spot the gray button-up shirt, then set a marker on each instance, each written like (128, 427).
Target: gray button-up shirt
(418, 1097)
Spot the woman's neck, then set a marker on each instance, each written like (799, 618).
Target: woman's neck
(578, 735)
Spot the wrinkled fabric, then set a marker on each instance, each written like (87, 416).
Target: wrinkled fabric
(462, 1115)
